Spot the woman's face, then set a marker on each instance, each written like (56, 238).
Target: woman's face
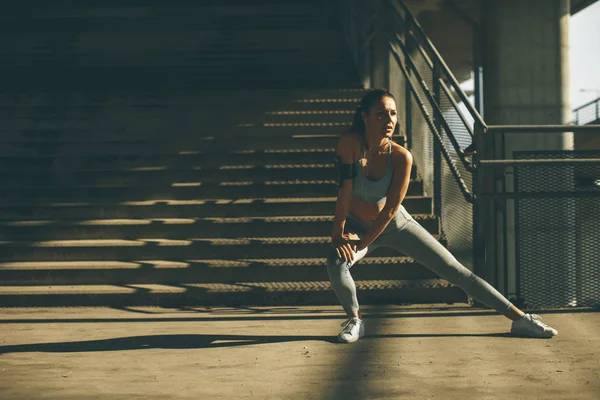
(381, 119)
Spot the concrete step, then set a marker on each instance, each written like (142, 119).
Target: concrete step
(199, 101)
(159, 177)
(69, 115)
(285, 144)
(218, 77)
(163, 180)
(201, 271)
(66, 136)
(265, 137)
(213, 162)
(234, 207)
(78, 117)
(220, 61)
(195, 190)
(271, 135)
(171, 47)
(176, 228)
(160, 16)
(160, 248)
(192, 46)
(35, 131)
(200, 112)
(264, 293)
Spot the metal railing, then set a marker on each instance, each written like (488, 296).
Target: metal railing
(587, 113)
(539, 216)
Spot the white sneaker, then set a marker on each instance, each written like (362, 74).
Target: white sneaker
(352, 329)
(531, 326)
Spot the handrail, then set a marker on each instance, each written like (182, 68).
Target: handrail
(539, 161)
(420, 49)
(587, 104)
(540, 128)
(590, 110)
(540, 195)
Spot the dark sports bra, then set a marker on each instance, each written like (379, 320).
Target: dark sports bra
(369, 190)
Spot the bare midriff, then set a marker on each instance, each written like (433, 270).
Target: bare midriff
(365, 210)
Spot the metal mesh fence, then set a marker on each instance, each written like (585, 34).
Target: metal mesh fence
(457, 214)
(421, 136)
(558, 231)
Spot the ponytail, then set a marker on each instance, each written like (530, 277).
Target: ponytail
(358, 124)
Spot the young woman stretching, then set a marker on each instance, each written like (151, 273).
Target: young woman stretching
(374, 176)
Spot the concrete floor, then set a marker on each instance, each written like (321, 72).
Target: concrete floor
(412, 352)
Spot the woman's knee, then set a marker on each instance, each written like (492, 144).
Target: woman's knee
(335, 264)
(459, 275)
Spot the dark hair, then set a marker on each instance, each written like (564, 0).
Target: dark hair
(365, 104)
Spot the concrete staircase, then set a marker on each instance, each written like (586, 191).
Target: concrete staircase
(181, 154)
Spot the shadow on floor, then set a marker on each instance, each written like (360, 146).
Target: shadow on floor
(280, 314)
(197, 342)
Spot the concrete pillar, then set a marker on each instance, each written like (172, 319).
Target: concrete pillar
(526, 82)
(526, 61)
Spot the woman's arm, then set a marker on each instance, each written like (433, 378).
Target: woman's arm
(401, 167)
(345, 151)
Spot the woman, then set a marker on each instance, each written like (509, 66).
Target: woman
(374, 173)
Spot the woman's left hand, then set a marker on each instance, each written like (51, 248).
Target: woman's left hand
(346, 246)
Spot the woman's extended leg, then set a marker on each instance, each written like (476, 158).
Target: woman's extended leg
(414, 241)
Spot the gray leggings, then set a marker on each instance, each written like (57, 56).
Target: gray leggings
(406, 235)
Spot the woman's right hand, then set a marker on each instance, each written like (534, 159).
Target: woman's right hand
(345, 246)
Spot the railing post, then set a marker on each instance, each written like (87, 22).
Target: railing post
(478, 68)
(437, 148)
(407, 94)
(479, 244)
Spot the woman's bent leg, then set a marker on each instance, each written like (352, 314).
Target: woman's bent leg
(341, 281)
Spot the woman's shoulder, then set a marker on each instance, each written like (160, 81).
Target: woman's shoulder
(349, 143)
(401, 154)
(351, 136)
